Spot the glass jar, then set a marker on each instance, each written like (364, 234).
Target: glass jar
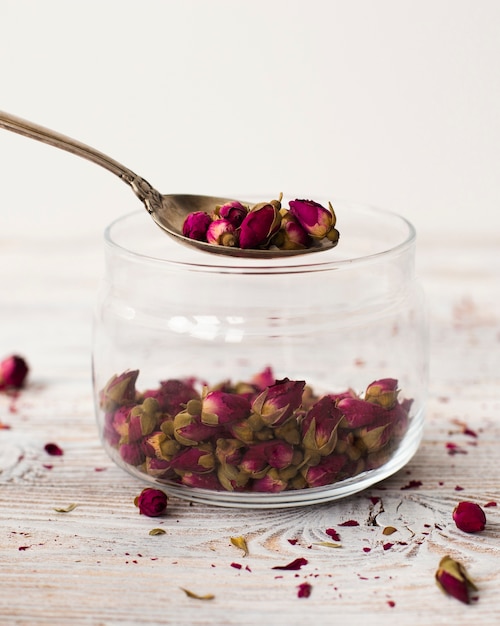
(250, 383)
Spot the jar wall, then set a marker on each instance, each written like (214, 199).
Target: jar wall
(335, 323)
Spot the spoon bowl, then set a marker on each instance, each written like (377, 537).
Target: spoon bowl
(167, 211)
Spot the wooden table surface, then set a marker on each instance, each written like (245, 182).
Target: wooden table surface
(98, 564)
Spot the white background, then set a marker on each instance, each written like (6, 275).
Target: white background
(392, 102)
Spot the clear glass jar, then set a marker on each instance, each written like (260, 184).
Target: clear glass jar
(248, 383)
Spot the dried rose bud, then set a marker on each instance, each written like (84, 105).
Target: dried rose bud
(222, 233)
(151, 502)
(319, 427)
(219, 407)
(158, 468)
(132, 453)
(229, 451)
(198, 459)
(173, 395)
(264, 379)
(259, 225)
(358, 412)
(196, 225)
(291, 235)
(453, 579)
(270, 483)
(119, 390)
(233, 212)
(231, 478)
(278, 402)
(325, 472)
(314, 218)
(383, 392)
(189, 430)
(143, 419)
(375, 436)
(13, 372)
(273, 453)
(160, 446)
(469, 517)
(121, 418)
(201, 481)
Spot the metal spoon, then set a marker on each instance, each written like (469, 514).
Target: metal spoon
(167, 211)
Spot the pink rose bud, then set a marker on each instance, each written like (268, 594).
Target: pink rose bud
(189, 429)
(159, 468)
(229, 451)
(13, 372)
(276, 404)
(469, 517)
(198, 459)
(151, 502)
(319, 427)
(270, 483)
(273, 453)
(222, 233)
(196, 225)
(219, 407)
(314, 218)
(233, 212)
(375, 436)
(121, 418)
(201, 481)
(292, 235)
(325, 473)
(119, 390)
(383, 392)
(160, 446)
(358, 412)
(132, 453)
(173, 395)
(452, 578)
(264, 379)
(259, 225)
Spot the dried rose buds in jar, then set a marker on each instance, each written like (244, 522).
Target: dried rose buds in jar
(13, 372)
(260, 435)
(265, 225)
(469, 517)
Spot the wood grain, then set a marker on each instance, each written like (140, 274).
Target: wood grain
(97, 564)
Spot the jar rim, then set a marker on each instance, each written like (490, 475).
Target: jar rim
(143, 242)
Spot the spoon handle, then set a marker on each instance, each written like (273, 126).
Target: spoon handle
(141, 187)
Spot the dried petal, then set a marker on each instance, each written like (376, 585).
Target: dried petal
(304, 590)
(66, 509)
(452, 578)
(389, 530)
(241, 543)
(196, 225)
(157, 531)
(13, 372)
(53, 449)
(191, 594)
(151, 502)
(469, 517)
(294, 565)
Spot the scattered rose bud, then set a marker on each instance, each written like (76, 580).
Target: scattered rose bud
(469, 517)
(222, 232)
(453, 579)
(13, 372)
(314, 218)
(196, 225)
(151, 502)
